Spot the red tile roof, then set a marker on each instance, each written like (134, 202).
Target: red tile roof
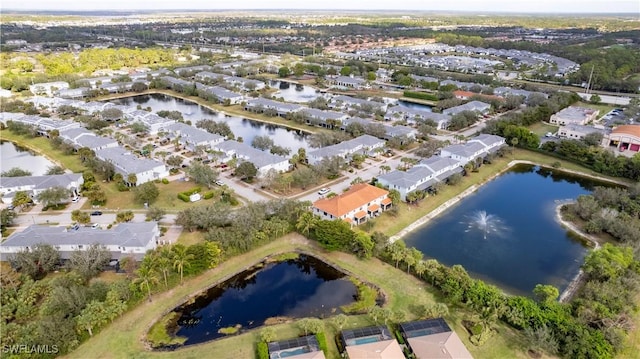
(373, 208)
(633, 130)
(358, 195)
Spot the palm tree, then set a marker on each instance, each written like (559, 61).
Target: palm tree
(132, 179)
(147, 276)
(164, 263)
(420, 268)
(181, 259)
(306, 223)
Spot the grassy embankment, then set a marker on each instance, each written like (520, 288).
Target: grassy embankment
(125, 337)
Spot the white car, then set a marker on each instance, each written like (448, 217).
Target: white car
(323, 191)
(219, 183)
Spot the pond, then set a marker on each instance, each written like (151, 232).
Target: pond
(241, 127)
(507, 234)
(291, 92)
(295, 288)
(12, 156)
(413, 105)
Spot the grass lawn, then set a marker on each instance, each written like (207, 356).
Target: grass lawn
(167, 200)
(125, 337)
(42, 146)
(190, 238)
(541, 128)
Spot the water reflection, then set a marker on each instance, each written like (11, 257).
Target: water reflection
(294, 92)
(15, 156)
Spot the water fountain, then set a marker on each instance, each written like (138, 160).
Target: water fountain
(485, 223)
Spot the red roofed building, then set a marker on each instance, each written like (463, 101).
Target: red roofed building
(625, 137)
(360, 202)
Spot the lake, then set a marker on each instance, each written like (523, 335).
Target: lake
(14, 156)
(241, 127)
(296, 288)
(414, 105)
(291, 92)
(520, 244)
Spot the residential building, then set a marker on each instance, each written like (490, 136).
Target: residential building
(152, 121)
(48, 88)
(420, 177)
(360, 202)
(346, 82)
(577, 132)
(243, 83)
(219, 94)
(190, 71)
(370, 343)
(475, 148)
(124, 240)
(625, 137)
(261, 104)
(43, 124)
(34, 185)
(264, 161)
(191, 137)
(473, 106)
(126, 163)
(79, 92)
(324, 118)
(346, 102)
(433, 339)
(364, 144)
(414, 116)
(306, 347)
(81, 137)
(574, 115)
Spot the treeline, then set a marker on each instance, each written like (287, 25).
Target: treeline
(245, 228)
(615, 211)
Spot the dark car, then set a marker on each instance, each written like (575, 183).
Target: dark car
(96, 213)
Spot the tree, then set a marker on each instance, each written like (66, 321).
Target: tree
(96, 194)
(609, 262)
(155, 214)
(545, 293)
(146, 276)
(246, 170)
(595, 99)
(92, 316)
(111, 114)
(80, 216)
(174, 161)
(395, 197)
(267, 334)
(202, 174)
(311, 325)
(42, 259)
(397, 250)
(88, 263)
(181, 259)
(306, 223)
(340, 321)
(132, 179)
(21, 198)
(7, 217)
(15, 172)
(284, 71)
(262, 142)
(53, 196)
(55, 170)
(124, 216)
(146, 193)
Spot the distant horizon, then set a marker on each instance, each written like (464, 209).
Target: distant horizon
(467, 6)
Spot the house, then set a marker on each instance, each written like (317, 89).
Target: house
(79, 92)
(125, 239)
(476, 148)
(281, 108)
(126, 163)
(324, 118)
(264, 161)
(370, 343)
(473, 106)
(433, 339)
(420, 177)
(360, 202)
(414, 115)
(346, 102)
(574, 115)
(306, 347)
(48, 88)
(33, 185)
(625, 137)
(346, 82)
(209, 76)
(176, 83)
(577, 132)
(364, 144)
(244, 84)
(5, 93)
(42, 124)
(191, 137)
(219, 94)
(81, 137)
(189, 71)
(152, 121)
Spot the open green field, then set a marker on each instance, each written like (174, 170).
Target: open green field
(603, 108)
(42, 146)
(124, 338)
(541, 128)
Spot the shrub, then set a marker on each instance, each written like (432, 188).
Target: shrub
(183, 197)
(165, 181)
(263, 350)
(322, 342)
(556, 164)
(208, 195)
(421, 95)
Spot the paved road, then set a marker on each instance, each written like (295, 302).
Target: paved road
(613, 100)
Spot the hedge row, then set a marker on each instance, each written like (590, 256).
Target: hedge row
(421, 95)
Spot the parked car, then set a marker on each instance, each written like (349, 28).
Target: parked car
(323, 191)
(219, 183)
(75, 199)
(95, 226)
(96, 213)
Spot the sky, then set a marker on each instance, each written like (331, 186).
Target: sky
(530, 6)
